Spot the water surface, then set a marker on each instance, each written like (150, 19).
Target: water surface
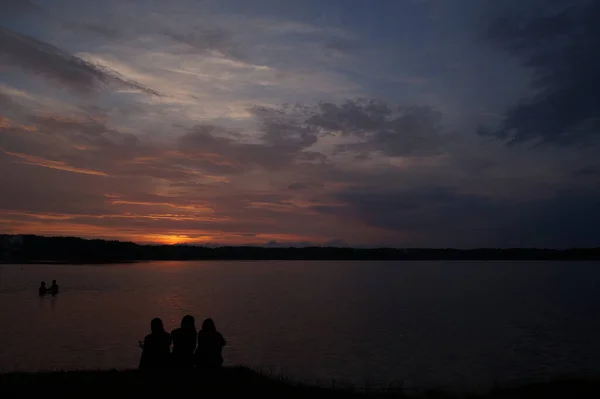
(453, 324)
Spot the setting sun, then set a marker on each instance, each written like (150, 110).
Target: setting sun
(172, 239)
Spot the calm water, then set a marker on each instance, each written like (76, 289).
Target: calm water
(453, 324)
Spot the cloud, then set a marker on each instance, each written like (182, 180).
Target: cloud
(304, 186)
(285, 127)
(102, 30)
(559, 45)
(277, 176)
(354, 117)
(371, 125)
(403, 131)
(8, 104)
(437, 216)
(213, 148)
(17, 6)
(47, 163)
(586, 171)
(220, 157)
(341, 46)
(203, 154)
(55, 64)
(205, 39)
(78, 143)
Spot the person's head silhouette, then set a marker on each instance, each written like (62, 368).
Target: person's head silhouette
(43, 284)
(188, 323)
(156, 326)
(53, 282)
(209, 325)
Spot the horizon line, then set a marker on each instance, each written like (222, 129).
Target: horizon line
(276, 245)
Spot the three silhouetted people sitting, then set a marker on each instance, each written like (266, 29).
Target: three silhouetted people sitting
(156, 347)
(207, 354)
(184, 343)
(210, 346)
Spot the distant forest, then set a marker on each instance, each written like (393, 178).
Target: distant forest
(32, 249)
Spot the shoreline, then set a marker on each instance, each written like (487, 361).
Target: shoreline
(240, 381)
(28, 249)
(71, 262)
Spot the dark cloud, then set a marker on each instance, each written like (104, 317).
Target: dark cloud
(51, 62)
(305, 186)
(230, 155)
(298, 186)
(341, 47)
(407, 131)
(285, 127)
(559, 45)
(105, 31)
(283, 144)
(586, 171)
(312, 157)
(358, 117)
(376, 126)
(443, 217)
(8, 7)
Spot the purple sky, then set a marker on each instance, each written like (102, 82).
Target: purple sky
(407, 123)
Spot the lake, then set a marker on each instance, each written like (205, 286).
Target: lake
(461, 325)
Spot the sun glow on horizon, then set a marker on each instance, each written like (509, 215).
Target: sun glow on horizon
(173, 239)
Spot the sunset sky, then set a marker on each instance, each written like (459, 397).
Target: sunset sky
(409, 123)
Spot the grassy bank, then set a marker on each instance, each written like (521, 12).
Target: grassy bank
(239, 382)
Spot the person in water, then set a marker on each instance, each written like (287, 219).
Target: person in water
(54, 288)
(155, 348)
(184, 343)
(42, 290)
(210, 346)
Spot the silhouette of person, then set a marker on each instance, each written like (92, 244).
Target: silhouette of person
(156, 346)
(184, 343)
(54, 288)
(210, 346)
(42, 290)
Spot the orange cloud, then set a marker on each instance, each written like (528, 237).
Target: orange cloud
(151, 216)
(6, 123)
(196, 208)
(47, 163)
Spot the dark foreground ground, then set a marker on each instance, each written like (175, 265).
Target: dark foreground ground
(238, 382)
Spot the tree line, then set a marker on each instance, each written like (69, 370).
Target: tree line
(33, 248)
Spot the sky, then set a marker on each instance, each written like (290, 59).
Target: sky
(404, 123)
